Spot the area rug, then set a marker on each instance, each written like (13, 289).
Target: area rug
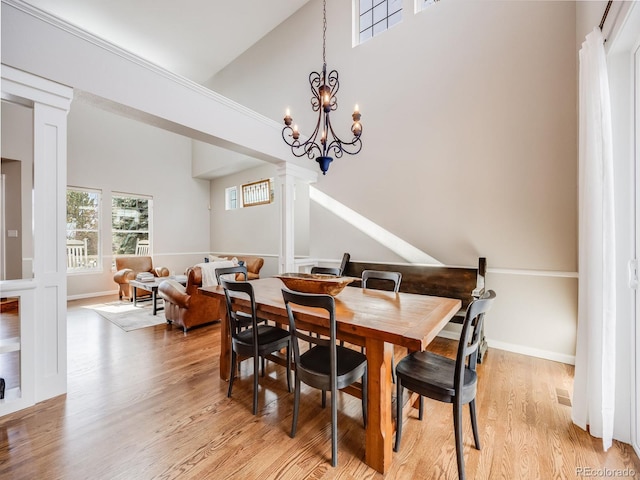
(128, 317)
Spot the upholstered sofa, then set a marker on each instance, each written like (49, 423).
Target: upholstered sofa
(128, 267)
(186, 306)
(253, 263)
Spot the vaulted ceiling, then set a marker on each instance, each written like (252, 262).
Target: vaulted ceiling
(193, 38)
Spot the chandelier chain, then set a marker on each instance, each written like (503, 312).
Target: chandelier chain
(324, 32)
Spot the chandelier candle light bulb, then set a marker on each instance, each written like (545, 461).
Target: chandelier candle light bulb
(324, 87)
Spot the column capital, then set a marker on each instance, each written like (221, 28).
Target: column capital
(289, 169)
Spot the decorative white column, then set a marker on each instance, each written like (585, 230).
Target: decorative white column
(288, 175)
(43, 308)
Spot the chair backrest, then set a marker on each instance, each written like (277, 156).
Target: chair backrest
(311, 300)
(231, 270)
(243, 288)
(345, 261)
(471, 335)
(395, 277)
(142, 247)
(326, 271)
(137, 264)
(77, 253)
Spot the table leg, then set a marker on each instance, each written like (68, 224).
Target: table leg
(225, 343)
(379, 433)
(135, 296)
(154, 299)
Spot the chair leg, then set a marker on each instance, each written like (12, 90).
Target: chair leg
(296, 403)
(263, 362)
(474, 423)
(256, 365)
(324, 398)
(364, 398)
(396, 448)
(420, 408)
(457, 427)
(288, 368)
(393, 369)
(334, 428)
(232, 373)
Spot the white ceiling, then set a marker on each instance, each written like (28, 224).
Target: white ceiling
(193, 38)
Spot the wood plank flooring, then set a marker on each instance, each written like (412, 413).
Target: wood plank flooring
(149, 404)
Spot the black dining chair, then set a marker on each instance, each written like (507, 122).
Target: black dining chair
(326, 365)
(326, 271)
(445, 379)
(382, 277)
(383, 280)
(232, 270)
(243, 319)
(256, 341)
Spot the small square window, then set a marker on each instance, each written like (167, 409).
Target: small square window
(376, 16)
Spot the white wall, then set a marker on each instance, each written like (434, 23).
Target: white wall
(256, 230)
(112, 153)
(469, 116)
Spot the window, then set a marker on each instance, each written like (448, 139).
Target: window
(130, 216)
(231, 198)
(257, 193)
(376, 16)
(422, 4)
(83, 229)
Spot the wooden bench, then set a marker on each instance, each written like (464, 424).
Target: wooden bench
(463, 283)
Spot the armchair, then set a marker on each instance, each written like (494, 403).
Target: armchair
(186, 306)
(128, 267)
(253, 264)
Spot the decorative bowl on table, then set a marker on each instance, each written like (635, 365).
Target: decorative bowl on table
(315, 282)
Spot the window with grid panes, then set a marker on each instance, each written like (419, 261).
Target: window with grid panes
(83, 229)
(130, 218)
(376, 16)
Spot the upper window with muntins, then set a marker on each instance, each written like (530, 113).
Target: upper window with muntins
(376, 16)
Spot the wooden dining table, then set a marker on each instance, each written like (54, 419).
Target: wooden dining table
(374, 319)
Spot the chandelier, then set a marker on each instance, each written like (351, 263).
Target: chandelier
(323, 88)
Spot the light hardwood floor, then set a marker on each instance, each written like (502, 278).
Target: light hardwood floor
(149, 404)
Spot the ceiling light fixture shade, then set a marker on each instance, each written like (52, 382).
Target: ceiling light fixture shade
(323, 142)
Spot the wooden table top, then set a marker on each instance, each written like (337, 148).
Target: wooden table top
(405, 319)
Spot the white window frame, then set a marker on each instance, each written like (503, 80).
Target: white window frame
(149, 229)
(231, 198)
(94, 264)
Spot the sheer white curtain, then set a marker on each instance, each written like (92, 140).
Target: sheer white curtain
(594, 384)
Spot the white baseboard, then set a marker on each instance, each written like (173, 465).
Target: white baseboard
(91, 295)
(521, 349)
